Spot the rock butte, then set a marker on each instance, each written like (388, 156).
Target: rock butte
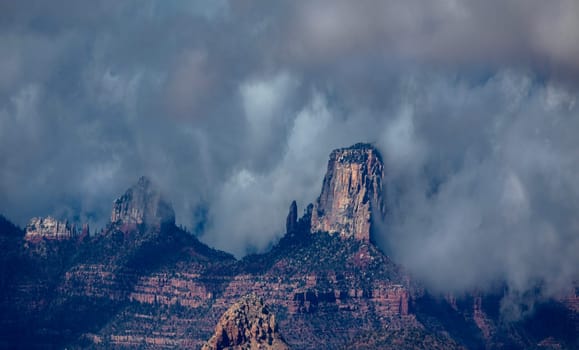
(351, 196)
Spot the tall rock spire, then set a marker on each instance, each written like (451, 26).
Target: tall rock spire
(142, 204)
(291, 223)
(351, 194)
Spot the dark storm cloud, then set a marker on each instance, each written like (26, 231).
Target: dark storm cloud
(233, 107)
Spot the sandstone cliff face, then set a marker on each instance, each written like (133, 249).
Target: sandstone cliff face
(351, 193)
(248, 324)
(142, 204)
(49, 228)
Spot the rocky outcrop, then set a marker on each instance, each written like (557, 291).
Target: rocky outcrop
(49, 228)
(292, 219)
(351, 196)
(142, 204)
(298, 227)
(248, 324)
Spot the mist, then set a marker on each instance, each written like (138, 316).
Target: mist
(233, 108)
(477, 199)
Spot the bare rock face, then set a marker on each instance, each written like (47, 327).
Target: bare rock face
(248, 324)
(142, 204)
(351, 194)
(49, 228)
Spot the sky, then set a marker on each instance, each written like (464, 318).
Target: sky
(232, 108)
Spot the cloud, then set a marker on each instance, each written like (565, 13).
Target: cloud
(259, 200)
(233, 108)
(440, 33)
(495, 193)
